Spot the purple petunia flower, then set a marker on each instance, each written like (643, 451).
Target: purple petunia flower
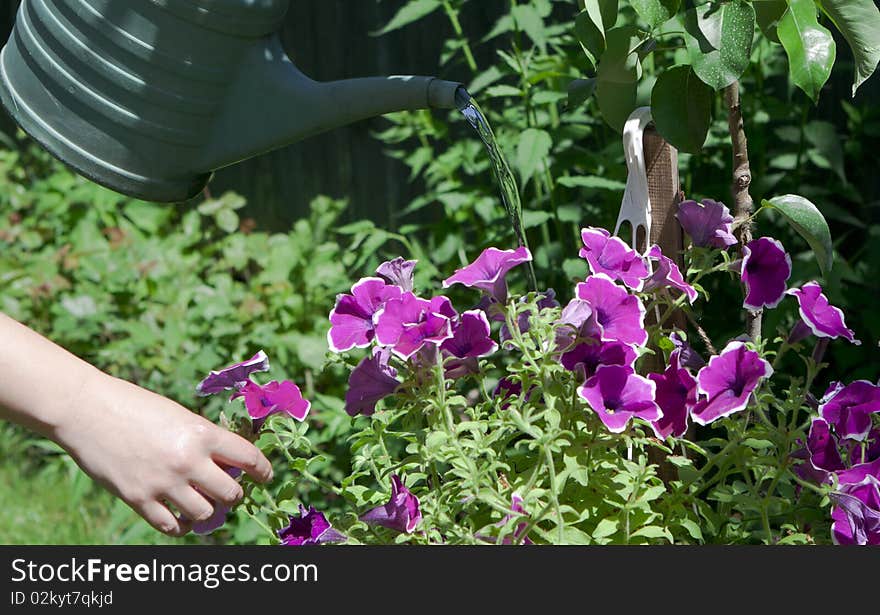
(311, 528)
(373, 379)
(620, 316)
(398, 272)
(591, 352)
(216, 520)
(517, 510)
(234, 376)
(352, 321)
(408, 322)
(617, 394)
(856, 513)
(676, 395)
(611, 256)
(822, 446)
(849, 408)
(822, 318)
(273, 398)
(726, 383)
(401, 513)
(470, 336)
(688, 357)
(766, 267)
(708, 223)
(488, 273)
(667, 274)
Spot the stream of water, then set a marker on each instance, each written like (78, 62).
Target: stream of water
(506, 180)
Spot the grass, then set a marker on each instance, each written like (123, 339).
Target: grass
(46, 499)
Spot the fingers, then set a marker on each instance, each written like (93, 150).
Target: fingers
(162, 519)
(218, 485)
(233, 450)
(191, 503)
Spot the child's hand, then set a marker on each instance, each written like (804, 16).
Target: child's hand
(149, 450)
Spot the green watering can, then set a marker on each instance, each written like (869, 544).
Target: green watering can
(149, 97)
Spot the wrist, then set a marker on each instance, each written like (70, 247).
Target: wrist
(75, 414)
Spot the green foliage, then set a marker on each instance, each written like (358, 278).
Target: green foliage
(681, 105)
(810, 47)
(160, 295)
(719, 41)
(806, 219)
(859, 22)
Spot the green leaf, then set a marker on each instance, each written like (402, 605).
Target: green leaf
(719, 41)
(592, 23)
(534, 146)
(533, 218)
(692, 528)
(808, 221)
(579, 91)
(652, 531)
(605, 528)
(618, 75)
(810, 47)
(768, 13)
(227, 220)
(682, 108)
(656, 12)
(590, 181)
(859, 22)
(530, 22)
(827, 151)
(409, 12)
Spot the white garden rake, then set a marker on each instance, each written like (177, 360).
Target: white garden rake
(635, 207)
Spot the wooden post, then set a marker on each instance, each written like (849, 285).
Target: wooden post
(664, 189)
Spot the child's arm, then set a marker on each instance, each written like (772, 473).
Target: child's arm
(145, 448)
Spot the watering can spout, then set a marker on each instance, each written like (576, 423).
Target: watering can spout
(149, 98)
(272, 104)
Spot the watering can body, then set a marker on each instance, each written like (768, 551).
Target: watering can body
(150, 97)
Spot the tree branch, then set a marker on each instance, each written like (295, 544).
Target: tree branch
(742, 179)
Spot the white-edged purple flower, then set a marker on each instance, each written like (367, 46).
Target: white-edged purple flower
(402, 512)
(215, 521)
(274, 398)
(766, 267)
(489, 272)
(372, 380)
(725, 385)
(352, 320)
(822, 446)
(408, 323)
(310, 528)
(822, 318)
(709, 223)
(590, 352)
(517, 510)
(617, 394)
(620, 316)
(849, 408)
(667, 274)
(470, 336)
(398, 272)
(688, 357)
(234, 376)
(611, 256)
(676, 395)
(856, 513)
